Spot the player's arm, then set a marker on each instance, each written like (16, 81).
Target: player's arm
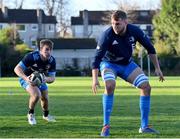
(27, 61)
(100, 52)
(51, 73)
(145, 41)
(155, 62)
(19, 70)
(49, 79)
(95, 82)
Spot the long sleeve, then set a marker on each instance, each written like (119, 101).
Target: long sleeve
(101, 49)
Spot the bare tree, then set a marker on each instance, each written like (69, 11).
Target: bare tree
(58, 8)
(49, 6)
(18, 4)
(126, 5)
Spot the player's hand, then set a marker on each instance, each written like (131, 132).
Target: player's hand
(28, 79)
(95, 84)
(160, 74)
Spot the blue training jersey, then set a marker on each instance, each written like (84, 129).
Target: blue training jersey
(118, 49)
(33, 62)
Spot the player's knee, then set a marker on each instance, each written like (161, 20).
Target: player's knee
(45, 99)
(109, 78)
(110, 87)
(146, 88)
(35, 97)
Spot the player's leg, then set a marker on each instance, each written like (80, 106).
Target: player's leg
(109, 77)
(34, 93)
(45, 103)
(140, 80)
(108, 96)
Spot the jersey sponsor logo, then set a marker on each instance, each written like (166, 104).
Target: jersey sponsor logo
(118, 59)
(115, 42)
(111, 57)
(41, 70)
(32, 69)
(35, 65)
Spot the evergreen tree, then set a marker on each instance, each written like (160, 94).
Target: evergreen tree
(11, 50)
(167, 28)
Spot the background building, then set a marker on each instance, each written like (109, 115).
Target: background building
(75, 53)
(30, 24)
(89, 24)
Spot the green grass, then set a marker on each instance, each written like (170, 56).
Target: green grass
(79, 112)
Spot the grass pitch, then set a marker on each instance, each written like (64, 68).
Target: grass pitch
(79, 113)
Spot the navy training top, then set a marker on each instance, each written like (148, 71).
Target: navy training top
(118, 49)
(33, 62)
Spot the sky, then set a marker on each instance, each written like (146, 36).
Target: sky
(76, 5)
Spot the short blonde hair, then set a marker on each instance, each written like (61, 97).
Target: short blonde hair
(119, 15)
(46, 42)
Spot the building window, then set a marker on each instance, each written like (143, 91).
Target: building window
(21, 27)
(33, 44)
(51, 28)
(144, 13)
(24, 41)
(34, 27)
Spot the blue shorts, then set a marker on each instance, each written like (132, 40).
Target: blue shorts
(122, 71)
(24, 84)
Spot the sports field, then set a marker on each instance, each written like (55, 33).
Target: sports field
(79, 113)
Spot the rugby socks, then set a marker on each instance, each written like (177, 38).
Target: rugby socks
(144, 109)
(45, 113)
(31, 111)
(107, 107)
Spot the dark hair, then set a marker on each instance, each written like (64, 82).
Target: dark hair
(119, 14)
(46, 42)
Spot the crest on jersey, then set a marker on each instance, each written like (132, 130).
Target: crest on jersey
(48, 66)
(131, 39)
(98, 47)
(132, 42)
